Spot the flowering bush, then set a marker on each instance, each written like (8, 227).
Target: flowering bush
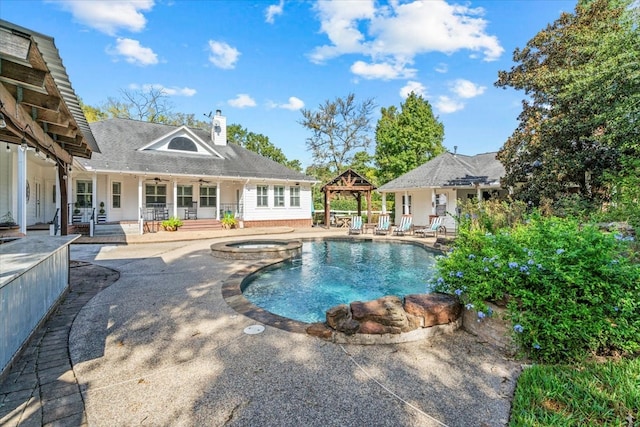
(570, 289)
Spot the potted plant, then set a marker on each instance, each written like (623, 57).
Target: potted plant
(229, 221)
(101, 214)
(172, 224)
(76, 210)
(7, 222)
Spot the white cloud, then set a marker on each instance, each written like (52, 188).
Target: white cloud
(466, 89)
(273, 11)
(415, 87)
(447, 105)
(133, 52)
(293, 104)
(109, 16)
(383, 71)
(242, 100)
(170, 91)
(222, 55)
(395, 34)
(442, 68)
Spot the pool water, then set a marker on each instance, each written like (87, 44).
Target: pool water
(330, 273)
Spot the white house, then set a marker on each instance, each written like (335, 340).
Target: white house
(436, 187)
(150, 170)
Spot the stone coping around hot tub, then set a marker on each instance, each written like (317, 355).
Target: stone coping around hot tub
(232, 294)
(233, 249)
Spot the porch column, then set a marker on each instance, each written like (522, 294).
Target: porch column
(94, 195)
(70, 198)
(479, 194)
(175, 198)
(140, 215)
(384, 203)
(59, 194)
(21, 217)
(218, 200)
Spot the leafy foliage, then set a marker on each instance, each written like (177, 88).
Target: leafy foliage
(260, 144)
(408, 138)
(229, 221)
(172, 223)
(582, 74)
(572, 290)
(339, 129)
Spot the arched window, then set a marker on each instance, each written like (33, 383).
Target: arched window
(182, 143)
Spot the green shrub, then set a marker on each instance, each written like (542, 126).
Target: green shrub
(229, 220)
(572, 290)
(172, 223)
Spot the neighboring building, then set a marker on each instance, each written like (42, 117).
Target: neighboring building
(146, 166)
(436, 187)
(42, 128)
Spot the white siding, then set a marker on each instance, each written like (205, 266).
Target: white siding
(253, 212)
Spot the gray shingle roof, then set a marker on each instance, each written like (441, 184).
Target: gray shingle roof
(120, 139)
(450, 170)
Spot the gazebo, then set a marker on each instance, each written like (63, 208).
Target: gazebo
(348, 182)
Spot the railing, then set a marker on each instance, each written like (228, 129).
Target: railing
(336, 217)
(54, 222)
(235, 209)
(79, 214)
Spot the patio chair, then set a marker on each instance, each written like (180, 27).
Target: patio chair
(356, 225)
(383, 225)
(432, 229)
(404, 227)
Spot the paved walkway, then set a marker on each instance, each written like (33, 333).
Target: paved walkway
(161, 347)
(41, 388)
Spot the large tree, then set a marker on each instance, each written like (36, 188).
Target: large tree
(260, 144)
(339, 129)
(582, 78)
(407, 138)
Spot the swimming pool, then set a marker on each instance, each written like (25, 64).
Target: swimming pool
(332, 272)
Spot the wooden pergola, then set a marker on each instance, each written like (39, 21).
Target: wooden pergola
(39, 108)
(348, 182)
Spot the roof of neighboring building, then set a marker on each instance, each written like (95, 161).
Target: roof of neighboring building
(121, 139)
(450, 170)
(53, 62)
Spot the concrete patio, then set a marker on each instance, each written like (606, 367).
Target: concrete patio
(160, 346)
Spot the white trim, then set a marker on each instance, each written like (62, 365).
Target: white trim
(160, 143)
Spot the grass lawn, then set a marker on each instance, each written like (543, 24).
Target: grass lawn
(590, 394)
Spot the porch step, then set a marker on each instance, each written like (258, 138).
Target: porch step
(115, 229)
(200, 224)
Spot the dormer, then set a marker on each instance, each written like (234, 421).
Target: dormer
(181, 141)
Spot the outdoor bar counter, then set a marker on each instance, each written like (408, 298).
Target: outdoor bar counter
(34, 275)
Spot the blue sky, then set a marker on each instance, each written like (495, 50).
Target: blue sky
(260, 62)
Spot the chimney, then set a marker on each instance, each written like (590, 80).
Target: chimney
(219, 129)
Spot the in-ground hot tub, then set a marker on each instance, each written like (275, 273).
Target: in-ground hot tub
(257, 249)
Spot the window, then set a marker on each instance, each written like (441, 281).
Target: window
(116, 192)
(84, 194)
(208, 197)
(294, 196)
(441, 204)
(406, 204)
(278, 196)
(182, 143)
(185, 196)
(263, 195)
(155, 193)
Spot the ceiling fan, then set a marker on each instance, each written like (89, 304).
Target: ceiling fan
(158, 180)
(203, 181)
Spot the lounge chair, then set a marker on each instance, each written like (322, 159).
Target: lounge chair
(356, 225)
(432, 229)
(404, 227)
(383, 225)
